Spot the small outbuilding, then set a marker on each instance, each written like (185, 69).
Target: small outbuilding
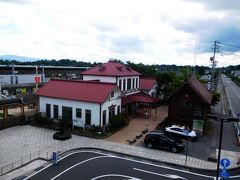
(189, 102)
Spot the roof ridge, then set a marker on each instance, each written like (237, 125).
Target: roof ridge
(82, 81)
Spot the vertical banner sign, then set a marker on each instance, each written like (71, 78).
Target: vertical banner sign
(37, 79)
(54, 158)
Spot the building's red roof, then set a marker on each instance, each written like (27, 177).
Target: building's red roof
(198, 88)
(139, 97)
(147, 83)
(111, 68)
(87, 91)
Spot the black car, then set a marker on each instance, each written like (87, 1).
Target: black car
(157, 139)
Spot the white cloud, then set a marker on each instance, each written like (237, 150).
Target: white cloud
(147, 31)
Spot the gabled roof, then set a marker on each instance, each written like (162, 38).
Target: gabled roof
(88, 91)
(111, 68)
(198, 88)
(147, 83)
(139, 97)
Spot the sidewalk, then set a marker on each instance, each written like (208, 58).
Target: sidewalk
(139, 123)
(19, 140)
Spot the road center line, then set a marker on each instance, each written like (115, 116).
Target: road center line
(172, 176)
(77, 165)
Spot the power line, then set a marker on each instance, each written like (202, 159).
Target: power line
(231, 45)
(226, 52)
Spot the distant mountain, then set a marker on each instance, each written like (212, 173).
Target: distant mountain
(18, 58)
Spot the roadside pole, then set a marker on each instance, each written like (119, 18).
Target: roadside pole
(187, 133)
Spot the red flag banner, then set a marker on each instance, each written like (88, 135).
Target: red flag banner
(37, 79)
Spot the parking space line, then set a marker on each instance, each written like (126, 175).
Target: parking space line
(98, 157)
(172, 176)
(116, 175)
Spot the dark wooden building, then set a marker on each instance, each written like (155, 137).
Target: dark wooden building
(190, 101)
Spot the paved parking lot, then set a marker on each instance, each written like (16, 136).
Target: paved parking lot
(95, 165)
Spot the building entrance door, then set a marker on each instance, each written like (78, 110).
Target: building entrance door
(67, 116)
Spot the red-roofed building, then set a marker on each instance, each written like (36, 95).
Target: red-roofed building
(115, 72)
(80, 102)
(127, 80)
(188, 103)
(149, 86)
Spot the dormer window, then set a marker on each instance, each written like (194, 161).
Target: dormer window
(101, 67)
(120, 68)
(128, 68)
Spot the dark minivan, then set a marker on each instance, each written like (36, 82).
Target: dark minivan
(158, 139)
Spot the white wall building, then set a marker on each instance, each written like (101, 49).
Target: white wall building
(114, 72)
(19, 79)
(81, 102)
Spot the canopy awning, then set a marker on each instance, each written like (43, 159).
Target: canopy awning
(140, 97)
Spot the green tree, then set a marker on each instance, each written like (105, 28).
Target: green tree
(215, 98)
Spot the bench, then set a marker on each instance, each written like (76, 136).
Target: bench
(131, 141)
(145, 131)
(139, 136)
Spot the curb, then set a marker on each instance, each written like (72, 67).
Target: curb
(62, 154)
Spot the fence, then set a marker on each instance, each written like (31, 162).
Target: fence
(14, 121)
(23, 160)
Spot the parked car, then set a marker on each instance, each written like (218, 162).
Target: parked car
(158, 139)
(181, 132)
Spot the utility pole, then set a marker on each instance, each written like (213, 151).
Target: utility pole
(212, 59)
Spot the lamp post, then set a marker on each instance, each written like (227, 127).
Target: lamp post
(229, 119)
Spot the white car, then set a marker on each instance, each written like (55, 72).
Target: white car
(181, 132)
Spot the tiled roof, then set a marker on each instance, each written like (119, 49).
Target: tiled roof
(147, 83)
(200, 89)
(138, 97)
(111, 68)
(88, 91)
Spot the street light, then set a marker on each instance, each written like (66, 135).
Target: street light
(229, 119)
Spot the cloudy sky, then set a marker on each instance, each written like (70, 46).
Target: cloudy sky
(146, 31)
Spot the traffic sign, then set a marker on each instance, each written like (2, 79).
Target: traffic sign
(186, 131)
(225, 162)
(224, 173)
(54, 158)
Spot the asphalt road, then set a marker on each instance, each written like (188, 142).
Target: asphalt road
(233, 93)
(95, 165)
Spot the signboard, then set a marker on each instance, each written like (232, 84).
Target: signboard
(225, 162)
(224, 173)
(54, 158)
(37, 79)
(186, 131)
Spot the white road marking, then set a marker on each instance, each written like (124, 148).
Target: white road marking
(77, 165)
(62, 159)
(231, 177)
(230, 104)
(111, 156)
(115, 175)
(165, 167)
(172, 176)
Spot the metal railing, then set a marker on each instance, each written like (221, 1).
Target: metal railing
(23, 160)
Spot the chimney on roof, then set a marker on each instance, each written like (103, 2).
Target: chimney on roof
(128, 68)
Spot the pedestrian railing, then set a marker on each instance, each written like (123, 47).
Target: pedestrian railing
(23, 160)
